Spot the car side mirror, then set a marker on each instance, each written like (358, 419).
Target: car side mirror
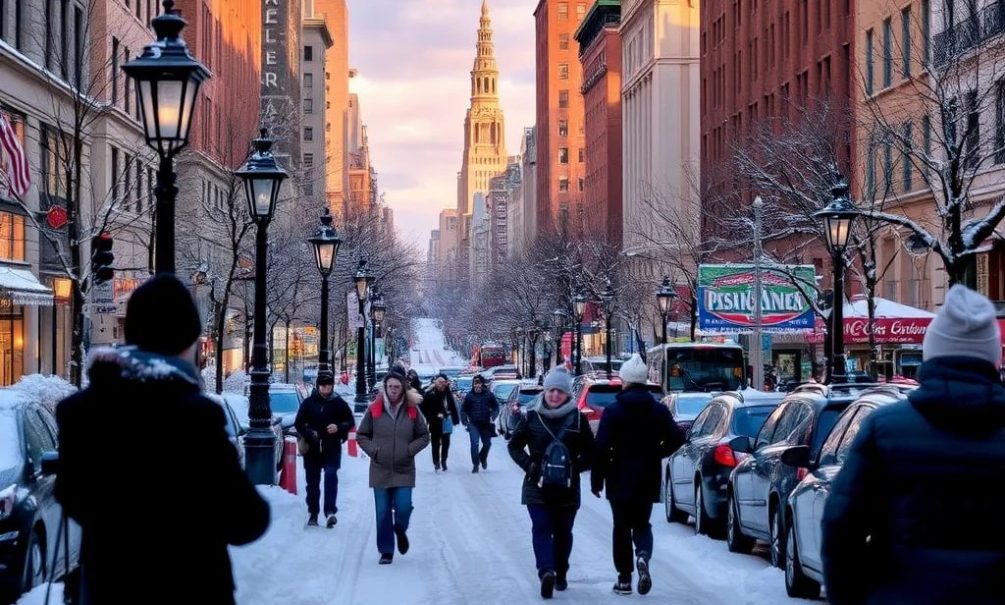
(741, 444)
(50, 463)
(797, 456)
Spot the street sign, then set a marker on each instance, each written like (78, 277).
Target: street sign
(56, 217)
(726, 298)
(103, 299)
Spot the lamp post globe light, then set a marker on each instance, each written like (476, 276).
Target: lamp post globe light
(262, 176)
(664, 297)
(558, 322)
(838, 217)
(579, 309)
(167, 80)
(363, 278)
(326, 244)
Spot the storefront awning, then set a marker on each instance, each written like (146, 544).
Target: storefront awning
(894, 323)
(19, 286)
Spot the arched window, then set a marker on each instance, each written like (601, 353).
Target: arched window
(479, 81)
(493, 85)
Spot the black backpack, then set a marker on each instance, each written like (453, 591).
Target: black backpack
(556, 463)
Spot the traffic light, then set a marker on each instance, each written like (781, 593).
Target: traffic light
(102, 257)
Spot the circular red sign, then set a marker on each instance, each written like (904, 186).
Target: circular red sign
(56, 217)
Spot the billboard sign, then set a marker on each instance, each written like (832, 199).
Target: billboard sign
(726, 298)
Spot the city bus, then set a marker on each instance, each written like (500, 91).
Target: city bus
(491, 355)
(697, 367)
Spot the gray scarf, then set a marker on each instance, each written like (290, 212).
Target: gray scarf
(566, 408)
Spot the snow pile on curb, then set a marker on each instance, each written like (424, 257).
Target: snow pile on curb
(49, 390)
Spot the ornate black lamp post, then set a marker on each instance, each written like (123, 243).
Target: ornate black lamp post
(167, 82)
(579, 309)
(262, 178)
(532, 334)
(664, 297)
(838, 217)
(362, 279)
(607, 299)
(558, 321)
(326, 244)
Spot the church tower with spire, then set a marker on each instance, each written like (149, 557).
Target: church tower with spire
(484, 127)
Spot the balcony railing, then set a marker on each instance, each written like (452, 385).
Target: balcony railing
(968, 34)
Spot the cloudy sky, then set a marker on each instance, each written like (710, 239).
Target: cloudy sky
(414, 59)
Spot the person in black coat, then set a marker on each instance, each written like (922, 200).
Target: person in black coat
(440, 410)
(324, 420)
(552, 509)
(911, 518)
(414, 382)
(478, 413)
(634, 436)
(144, 401)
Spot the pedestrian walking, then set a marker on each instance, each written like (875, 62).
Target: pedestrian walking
(413, 381)
(553, 445)
(144, 401)
(440, 410)
(324, 422)
(478, 413)
(634, 436)
(392, 432)
(910, 518)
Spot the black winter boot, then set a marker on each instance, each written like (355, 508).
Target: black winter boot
(547, 584)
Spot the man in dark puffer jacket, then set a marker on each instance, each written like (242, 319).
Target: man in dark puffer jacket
(910, 518)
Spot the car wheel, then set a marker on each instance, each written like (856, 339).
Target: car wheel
(797, 584)
(673, 514)
(735, 540)
(34, 562)
(776, 538)
(700, 517)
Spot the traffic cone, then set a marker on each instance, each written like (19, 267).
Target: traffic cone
(352, 447)
(288, 476)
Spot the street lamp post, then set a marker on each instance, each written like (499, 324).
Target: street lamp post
(532, 334)
(262, 178)
(579, 309)
(326, 244)
(362, 279)
(167, 82)
(838, 217)
(377, 309)
(558, 321)
(607, 298)
(664, 297)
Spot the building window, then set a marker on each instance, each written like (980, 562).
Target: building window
(125, 89)
(11, 236)
(563, 155)
(308, 160)
(869, 64)
(563, 71)
(308, 105)
(308, 133)
(1000, 122)
(563, 11)
(973, 146)
(870, 171)
(581, 154)
(908, 165)
(887, 53)
(926, 15)
(308, 80)
(581, 183)
(580, 11)
(563, 99)
(563, 41)
(888, 161)
(905, 42)
(127, 163)
(563, 183)
(926, 134)
(64, 55)
(115, 71)
(78, 46)
(308, 53)
(48, 33)
(115, 176)
(563, 128)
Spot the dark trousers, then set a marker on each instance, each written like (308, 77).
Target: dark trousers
(441, 445)
(551, 529)
(631, 525)
(484, 433)
(313, 465)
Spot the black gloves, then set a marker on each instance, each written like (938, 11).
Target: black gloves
(534, 472)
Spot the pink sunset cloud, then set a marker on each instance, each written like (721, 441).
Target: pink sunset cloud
(414, 59)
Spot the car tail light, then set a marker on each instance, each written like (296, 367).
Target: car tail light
(588, 411)
(723, 455)
(801, 473)
(7, 500)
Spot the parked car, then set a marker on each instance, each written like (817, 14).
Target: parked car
(597, 366)
(760, 485)
(520, 400)
(29, 514)
(504, 372)
(235, 431)
(241, 406)
(803, 565)
(593, 396)
(502, 389)
(461, 385)
(284, 399)
(685, 407)
(696, 474)
(451, 372)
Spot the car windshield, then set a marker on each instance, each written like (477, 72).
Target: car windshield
(689, 406)
(464, 382)
(747, 421)
(528, 396)
(10, 446)
(283, 402)
(704, 369)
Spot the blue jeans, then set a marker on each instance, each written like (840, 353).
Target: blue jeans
(551, 528)
(313, 465)
(483, 433)
(386, 499)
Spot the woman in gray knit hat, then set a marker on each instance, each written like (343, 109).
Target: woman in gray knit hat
(551, 490)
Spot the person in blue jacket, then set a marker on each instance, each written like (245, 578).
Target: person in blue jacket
(478, 412)
(911, 517)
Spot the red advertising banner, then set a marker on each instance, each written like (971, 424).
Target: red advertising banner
(908, 330)
(566, 345)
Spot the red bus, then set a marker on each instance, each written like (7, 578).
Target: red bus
(492, 355)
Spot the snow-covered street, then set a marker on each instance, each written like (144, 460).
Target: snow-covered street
(470, 543)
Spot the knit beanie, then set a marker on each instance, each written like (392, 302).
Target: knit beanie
(634, 371)
(558, 378)
(965, 326)
(325, 377)
(161, 316)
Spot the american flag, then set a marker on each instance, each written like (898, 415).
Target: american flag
(13, 161)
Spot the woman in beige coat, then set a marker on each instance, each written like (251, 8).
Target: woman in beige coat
(392, 432)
